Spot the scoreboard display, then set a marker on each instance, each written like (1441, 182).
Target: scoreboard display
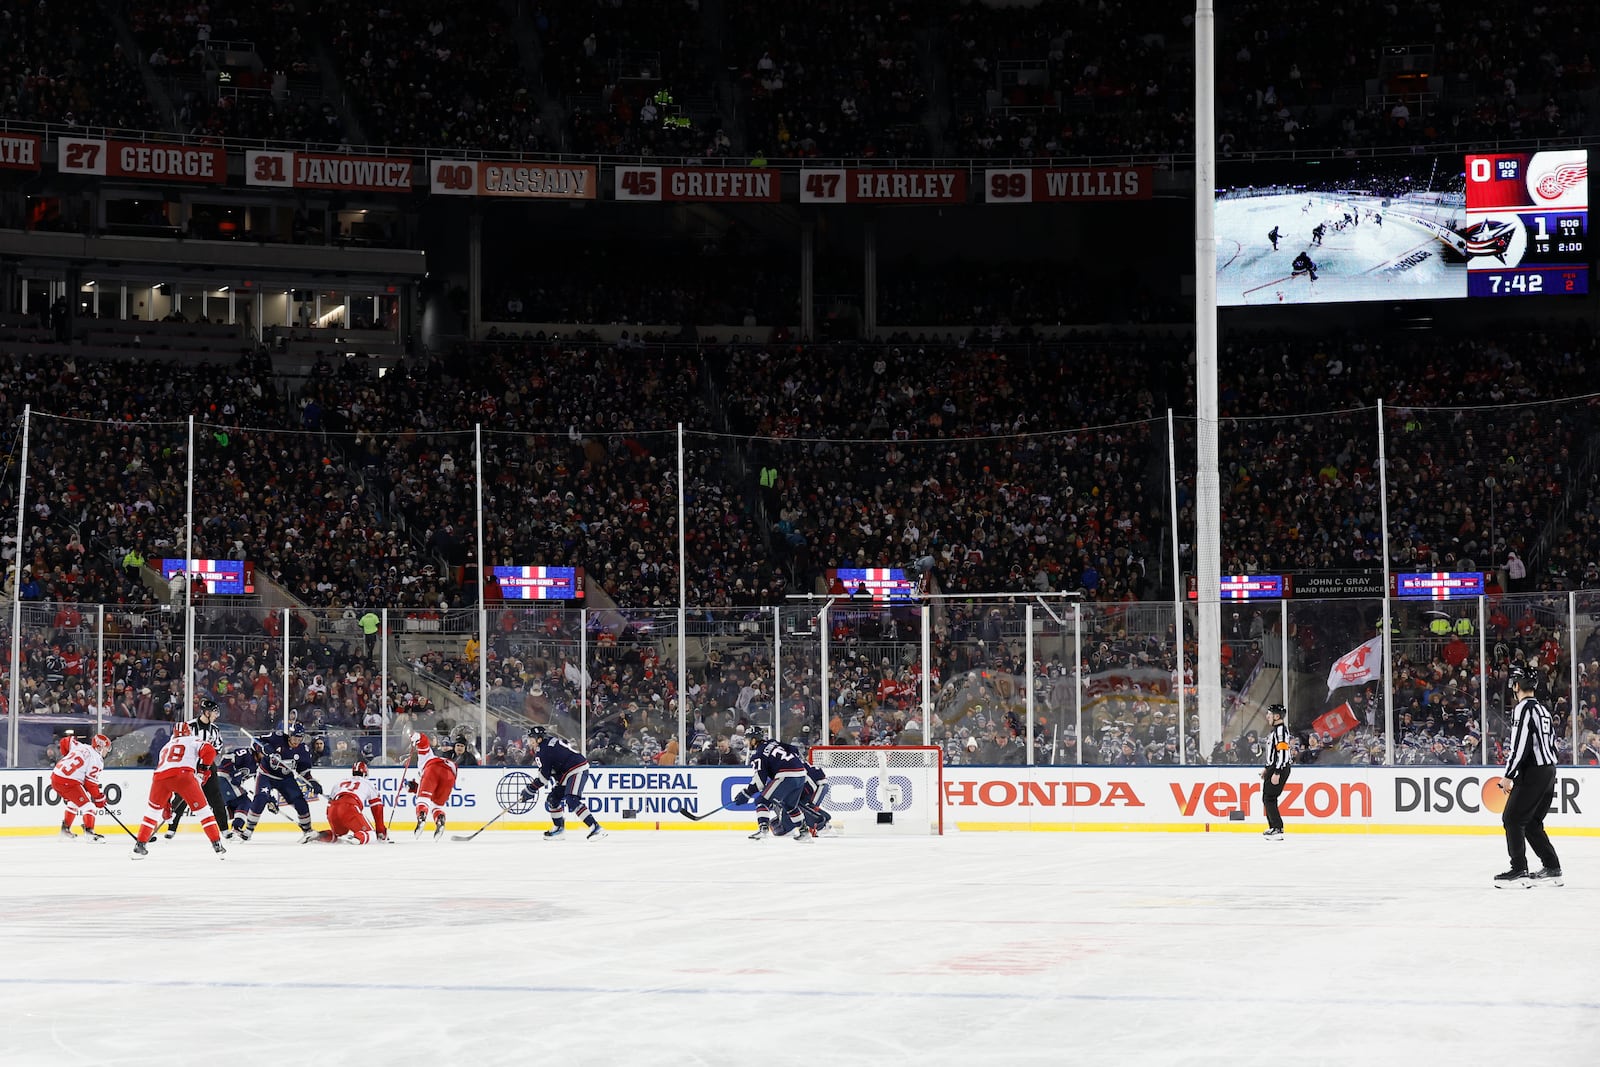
(539, 583)
(1439, 585)
(224, 577)
(1415, 227)
(1245, 587)
(1527, 231)
(881, 583)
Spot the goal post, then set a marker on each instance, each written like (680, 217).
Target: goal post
(887, 790)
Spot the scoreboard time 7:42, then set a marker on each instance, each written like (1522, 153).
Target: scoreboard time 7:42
(1527, 223)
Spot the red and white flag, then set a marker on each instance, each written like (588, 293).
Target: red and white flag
(1360, 665)
(1336, 722)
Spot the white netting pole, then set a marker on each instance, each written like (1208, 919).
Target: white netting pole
(385, 710)
(1027, 616)
(100, 669)
(188, 582)
(1077, 674)
(583, 680)
(683, 614)
(1208, 497)
(777, 676)
(1572, 668)
(1177, 589)
(15, 695)
(1483, 682)
(1388, 648)
(927, 670)
(483, 585)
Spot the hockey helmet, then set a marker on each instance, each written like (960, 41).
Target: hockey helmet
(295, 730)
(359, 768)
(1277, 710)
(181, 729)
(101, 743)
(538, 732)
(1523, 679)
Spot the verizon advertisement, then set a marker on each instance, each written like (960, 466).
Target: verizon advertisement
(1336, 800)
(136, 159)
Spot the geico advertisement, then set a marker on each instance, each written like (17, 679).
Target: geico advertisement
(975, 798)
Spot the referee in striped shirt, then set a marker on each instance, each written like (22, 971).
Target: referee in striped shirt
(1530, 777)
(1276, 773)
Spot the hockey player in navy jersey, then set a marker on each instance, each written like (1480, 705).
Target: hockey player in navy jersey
(283, 759)
(561, 768)
(812, 794)
(778, 779)
(235, 771)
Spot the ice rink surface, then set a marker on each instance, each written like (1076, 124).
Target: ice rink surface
(706, 948)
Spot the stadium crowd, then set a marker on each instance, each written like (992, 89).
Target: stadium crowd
(356, 492)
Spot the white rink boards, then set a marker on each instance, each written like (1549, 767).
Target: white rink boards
(707, 948)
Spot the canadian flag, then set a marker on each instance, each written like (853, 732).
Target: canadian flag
(1361, 664)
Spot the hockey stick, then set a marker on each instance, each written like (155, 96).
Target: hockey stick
(399, 788)
(697, 816)
(520, 806)
(120, 823)
(481, 829)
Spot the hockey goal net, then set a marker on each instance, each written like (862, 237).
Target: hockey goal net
(883, 790)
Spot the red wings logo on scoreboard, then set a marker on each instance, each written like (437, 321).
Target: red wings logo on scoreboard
(1555, 184)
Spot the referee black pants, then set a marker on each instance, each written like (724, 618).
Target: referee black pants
(1270, 792)
(1532, 792)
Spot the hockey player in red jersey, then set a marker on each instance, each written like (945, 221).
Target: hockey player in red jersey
(178, 771)
(435, 782)
(345, 815)
(76, 779)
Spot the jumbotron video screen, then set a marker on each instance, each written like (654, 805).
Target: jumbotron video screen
(1412, 228)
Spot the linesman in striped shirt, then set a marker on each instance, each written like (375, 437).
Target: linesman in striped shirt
(1280, 756)
(1530, 777)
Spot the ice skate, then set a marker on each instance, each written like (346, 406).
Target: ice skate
(1546, 876)
(555, 831)
(761, 831)
(216, 846)
(68, 834)
(595, 832)
(1515, 878)
(139, 850)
